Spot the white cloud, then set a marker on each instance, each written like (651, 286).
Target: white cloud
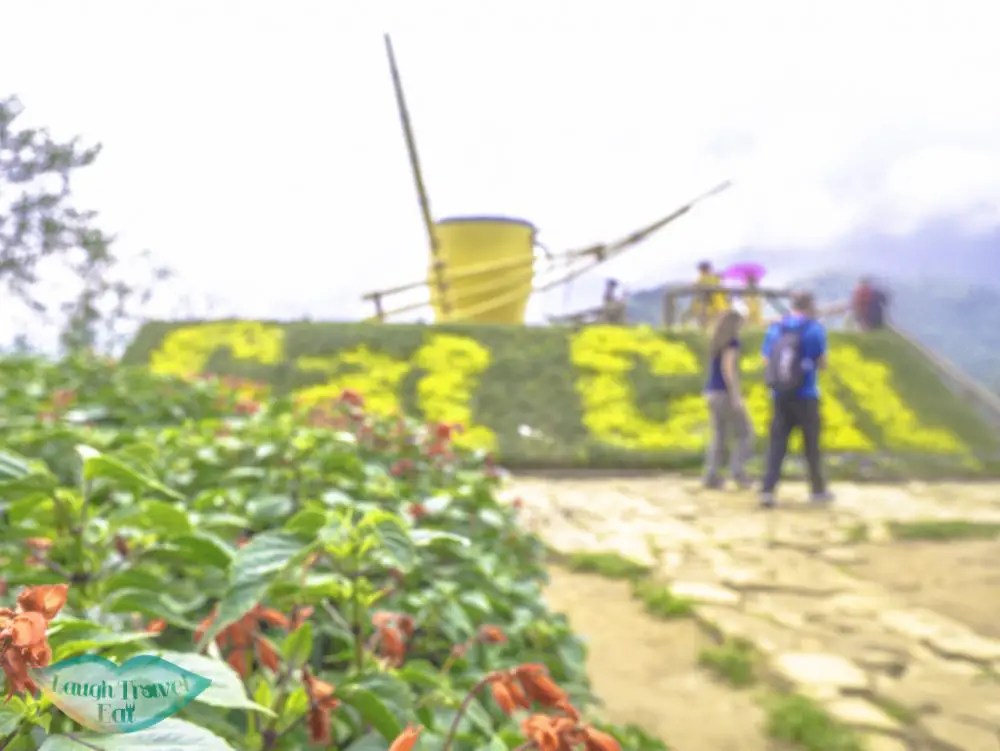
(255, 147)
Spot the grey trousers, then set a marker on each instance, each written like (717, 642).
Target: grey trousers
(729, 425)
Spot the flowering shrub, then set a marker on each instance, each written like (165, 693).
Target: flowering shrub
(600, 396)
(345, 580)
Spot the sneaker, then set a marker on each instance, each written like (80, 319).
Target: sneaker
(766, 499)
(712, 483)
(825, 497)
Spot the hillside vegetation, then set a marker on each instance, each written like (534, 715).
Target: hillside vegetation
(602, 396)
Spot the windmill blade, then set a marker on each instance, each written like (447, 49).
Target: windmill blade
(598, 254)
(437, 266)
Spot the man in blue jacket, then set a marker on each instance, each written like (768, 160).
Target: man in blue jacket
(795, 351)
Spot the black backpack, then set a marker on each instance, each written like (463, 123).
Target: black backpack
(785, 373)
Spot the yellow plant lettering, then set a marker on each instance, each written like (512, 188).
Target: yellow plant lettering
(453, 365)
(376, 376)
(185, 351)
(870, 384)
(607, 354)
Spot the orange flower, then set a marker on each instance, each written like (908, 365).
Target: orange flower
(491, 635)
(406, 740)
(568, 709)
(121, 545)
(319, 726)
(353, 398)
(538, 686)
(392, 630)
(237, 660)
(267, 655)
(156, 626)
(27, 630)
(243, 635)
(550, 733)
(15, 667)
(597, 740)
(508, 695)
(39, 544)
(319, 691)
(23, 642)
(299, 616)
(47, 599)
(321, 702)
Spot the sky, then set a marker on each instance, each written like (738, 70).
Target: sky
(254, 147)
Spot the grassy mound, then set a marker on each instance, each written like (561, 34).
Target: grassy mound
(341, 578)
(600, 397)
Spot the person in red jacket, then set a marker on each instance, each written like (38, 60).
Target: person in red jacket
(861, 303)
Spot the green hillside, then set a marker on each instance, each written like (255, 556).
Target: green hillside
(603, 396)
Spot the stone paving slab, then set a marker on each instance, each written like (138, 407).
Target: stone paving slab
(778, 579)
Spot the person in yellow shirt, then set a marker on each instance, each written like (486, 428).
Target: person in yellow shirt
(706, 306)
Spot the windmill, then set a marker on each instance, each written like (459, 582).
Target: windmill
(484, 269)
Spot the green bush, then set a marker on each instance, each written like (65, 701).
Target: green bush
(267, 549)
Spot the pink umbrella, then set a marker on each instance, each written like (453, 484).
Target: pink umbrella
(744, 271)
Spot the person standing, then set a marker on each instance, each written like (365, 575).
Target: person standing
(794, 350)
(729, 424)
(711, 301)
(876, 308)
(861, 302)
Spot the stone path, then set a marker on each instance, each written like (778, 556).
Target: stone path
(908, 677)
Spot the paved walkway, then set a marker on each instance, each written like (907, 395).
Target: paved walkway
(782, 580)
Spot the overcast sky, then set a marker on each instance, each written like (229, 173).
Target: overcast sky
(254, 146)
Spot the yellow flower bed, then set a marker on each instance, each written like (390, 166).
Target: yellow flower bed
(185, 351)
(606, 354)
(374, 375)
(602, 356)
(870, 384)
(453, 365)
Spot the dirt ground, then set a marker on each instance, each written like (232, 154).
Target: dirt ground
(646, 669)
(959, 579)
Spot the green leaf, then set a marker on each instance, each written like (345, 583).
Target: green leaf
(166, 518)
(269, 509)
(97, 465)
(227, 688)
(307, 521)
(150, 604)
(254, 569)
(169, 735)
(369, 742)
(298, 645)
(96, 642)
(373, 710)
(206, 548)
(10, 718)
(426, 537)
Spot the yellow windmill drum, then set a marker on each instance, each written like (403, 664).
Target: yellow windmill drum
(488, 268)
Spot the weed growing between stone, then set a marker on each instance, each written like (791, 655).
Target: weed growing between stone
(733, 661)
(657, 598)
(796, 720)
(944, 530)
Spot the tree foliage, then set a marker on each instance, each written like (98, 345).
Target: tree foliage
(43, 232)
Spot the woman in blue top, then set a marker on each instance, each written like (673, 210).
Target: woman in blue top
(728, 416)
